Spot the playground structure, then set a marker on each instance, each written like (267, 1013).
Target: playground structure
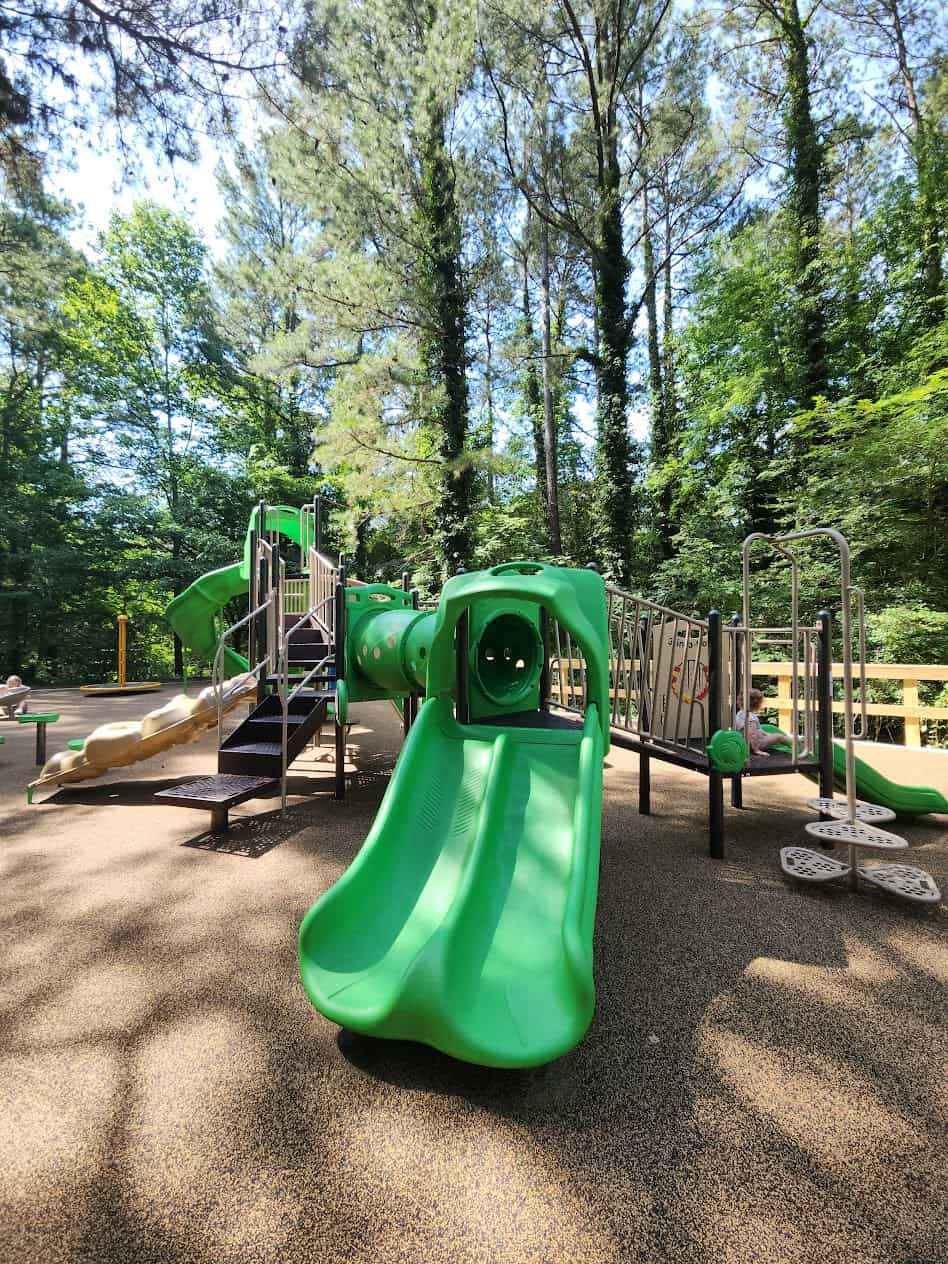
(466, 920)
(122, 685)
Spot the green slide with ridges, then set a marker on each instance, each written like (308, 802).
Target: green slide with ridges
(872, 786)
(193, 613)
(466, 920)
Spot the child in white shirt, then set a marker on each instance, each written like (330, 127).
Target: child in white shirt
(758, 741)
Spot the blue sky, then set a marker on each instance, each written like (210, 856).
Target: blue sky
(93, 184)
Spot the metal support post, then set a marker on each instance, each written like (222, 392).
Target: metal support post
(645, 785)
(340, 664)
(715, 779)
(824, 722)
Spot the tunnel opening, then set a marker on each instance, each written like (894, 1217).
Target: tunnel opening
(508, 659)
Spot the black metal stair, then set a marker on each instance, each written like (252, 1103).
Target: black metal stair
(250, 762)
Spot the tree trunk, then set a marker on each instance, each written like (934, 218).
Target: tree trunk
(614, 449)
(549, 419)
(489, 400)
(533, 402)
(443, 350)
(806, 164)
(933, 280)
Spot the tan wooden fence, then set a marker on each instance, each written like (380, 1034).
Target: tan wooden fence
(910, 709)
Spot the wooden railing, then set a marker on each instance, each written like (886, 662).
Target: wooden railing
(910, 709)
(295, 596)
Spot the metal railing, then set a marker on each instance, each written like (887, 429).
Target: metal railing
(311, 618)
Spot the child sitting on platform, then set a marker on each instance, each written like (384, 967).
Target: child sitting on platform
(758, 741)
(13, 696)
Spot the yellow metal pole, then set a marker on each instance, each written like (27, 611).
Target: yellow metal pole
(122, 648)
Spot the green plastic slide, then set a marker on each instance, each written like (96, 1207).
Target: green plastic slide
(466, 920)
(874, 788)
(193, 613)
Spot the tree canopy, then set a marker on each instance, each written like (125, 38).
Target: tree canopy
(610, 280)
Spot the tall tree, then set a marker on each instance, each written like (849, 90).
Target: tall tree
(138, 342)
(370, 148)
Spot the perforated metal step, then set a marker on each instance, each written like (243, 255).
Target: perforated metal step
(222, 790)
(839, 809)
(856, 835)
(811, 866)
(902, 880)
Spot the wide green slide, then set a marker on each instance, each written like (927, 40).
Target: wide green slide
(193, 614)
(872, 786)
(466, 919)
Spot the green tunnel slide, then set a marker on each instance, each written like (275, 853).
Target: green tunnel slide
(466, 920)
(194, 614)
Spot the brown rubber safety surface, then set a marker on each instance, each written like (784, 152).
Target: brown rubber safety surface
(764, 1078)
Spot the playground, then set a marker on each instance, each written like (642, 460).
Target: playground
(462, 952)
(763, 1072)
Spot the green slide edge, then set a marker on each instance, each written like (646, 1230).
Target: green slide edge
(414, 928)
(872, 786)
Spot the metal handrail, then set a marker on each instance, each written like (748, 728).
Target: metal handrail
(217, 673)
(283, 685)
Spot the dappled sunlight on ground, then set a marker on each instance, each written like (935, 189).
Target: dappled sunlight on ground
(763, 1078)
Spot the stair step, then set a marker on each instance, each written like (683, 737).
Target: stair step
(222, 790)
(856, 835)
(839, 810)
(904, 880)
(811, 866)
(293, 720)
(253, 748)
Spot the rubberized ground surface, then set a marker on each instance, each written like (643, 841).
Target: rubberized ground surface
(764, 1078)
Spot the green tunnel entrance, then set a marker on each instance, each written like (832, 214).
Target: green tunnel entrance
(508, 660)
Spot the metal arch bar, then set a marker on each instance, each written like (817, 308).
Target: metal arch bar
(842, 545)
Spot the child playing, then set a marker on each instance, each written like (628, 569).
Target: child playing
(13, 697)
(758, 741)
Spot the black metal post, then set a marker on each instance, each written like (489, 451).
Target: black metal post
(545, 670)
(339, 650)
(415, 605)
(252, 601)
(407, 701)
(824, 714)
(716, 815)
(462, 638)
(715, 779)
(645, 785)
(263, 649)
(737, 785)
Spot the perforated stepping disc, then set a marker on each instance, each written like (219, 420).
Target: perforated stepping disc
(811, 866)
(858, 835)
(839, 809)
(904, 880)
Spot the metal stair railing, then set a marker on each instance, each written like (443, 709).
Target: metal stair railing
(272, 608)
(310, 618)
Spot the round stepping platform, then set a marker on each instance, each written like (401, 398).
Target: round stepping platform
(902, 880)
(811, 866)
(858, 835)
(839, 809)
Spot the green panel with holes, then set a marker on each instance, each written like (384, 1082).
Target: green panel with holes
(387, 643)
